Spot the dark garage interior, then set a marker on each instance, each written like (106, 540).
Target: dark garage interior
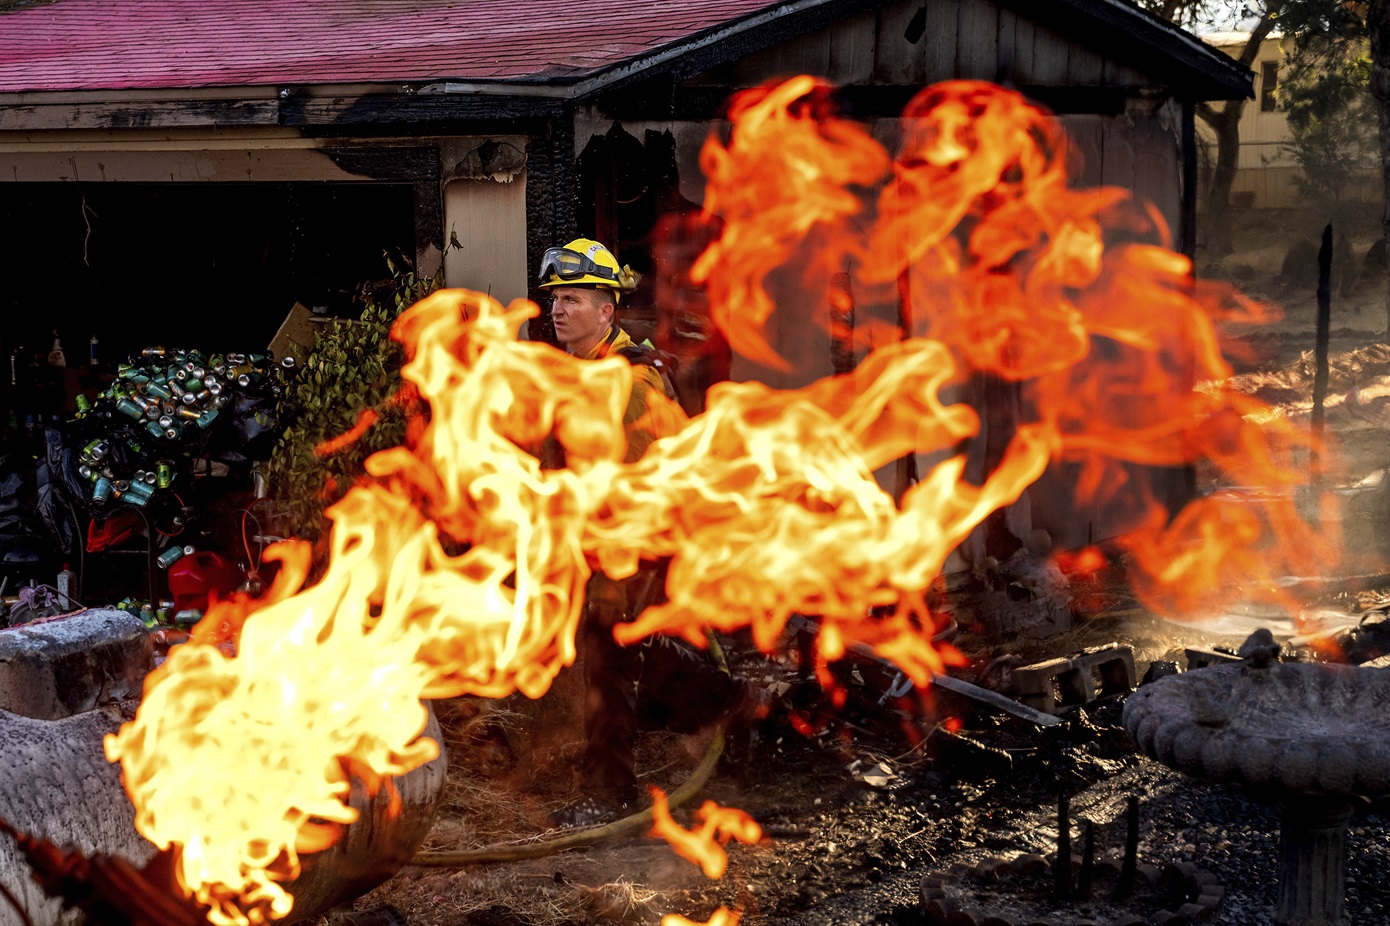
(208, 266)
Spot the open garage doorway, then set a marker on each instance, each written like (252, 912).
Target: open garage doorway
(211, 266)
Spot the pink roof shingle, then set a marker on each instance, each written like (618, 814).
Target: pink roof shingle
(174, 44)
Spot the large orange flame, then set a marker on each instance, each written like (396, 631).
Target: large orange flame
(1070, 293)
(721, 917)
(458, 566)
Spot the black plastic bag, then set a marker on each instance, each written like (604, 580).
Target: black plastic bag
(57, 492)
(251, 428)
(20, 525)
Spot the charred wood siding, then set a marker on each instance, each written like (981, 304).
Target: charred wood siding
(1139, 153)
(360, 114)
(146, 114)
(917, 43)
(551, 188)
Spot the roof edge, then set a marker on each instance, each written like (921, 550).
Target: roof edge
(681, 58)
(1183, 47)
(1203, 72)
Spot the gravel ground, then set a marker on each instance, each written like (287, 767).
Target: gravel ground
(845, 847)
(1217, 828)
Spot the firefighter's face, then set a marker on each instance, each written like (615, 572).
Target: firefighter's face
(581, 315)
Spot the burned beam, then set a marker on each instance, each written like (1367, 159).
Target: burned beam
(994, 699)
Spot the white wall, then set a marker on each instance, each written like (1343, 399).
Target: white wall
(488, 217)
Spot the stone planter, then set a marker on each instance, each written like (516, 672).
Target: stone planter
(60, 787)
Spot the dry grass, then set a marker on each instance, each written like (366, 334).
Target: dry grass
(489, 797)
(512, 762)
(622, 901)
(563, 891)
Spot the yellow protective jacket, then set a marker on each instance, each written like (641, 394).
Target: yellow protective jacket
(642, 423)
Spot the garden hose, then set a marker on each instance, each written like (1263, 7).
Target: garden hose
(628, 825)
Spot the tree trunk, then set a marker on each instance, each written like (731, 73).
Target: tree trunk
(1225, 122)
(59, 786)
(1378, 23)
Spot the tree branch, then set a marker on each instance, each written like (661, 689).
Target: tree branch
(1268, 20)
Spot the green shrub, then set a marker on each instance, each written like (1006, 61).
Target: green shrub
(354, 367)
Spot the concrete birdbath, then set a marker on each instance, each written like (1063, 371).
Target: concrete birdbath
(1314, 737)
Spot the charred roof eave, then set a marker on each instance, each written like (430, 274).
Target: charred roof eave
(1203, 73)
(1191, 68)
(322, 108)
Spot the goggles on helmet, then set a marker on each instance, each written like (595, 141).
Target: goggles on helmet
(568, 265)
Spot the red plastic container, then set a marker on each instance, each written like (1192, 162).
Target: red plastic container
(193, 579)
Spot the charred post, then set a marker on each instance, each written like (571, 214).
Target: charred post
(1128, 868)
(1088, 860)
(1061, 867)
(1324, 324)
(841, 324)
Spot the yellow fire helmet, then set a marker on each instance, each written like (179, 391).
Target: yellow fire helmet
(585, 262)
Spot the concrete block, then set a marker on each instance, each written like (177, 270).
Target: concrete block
(1060, 683)
(1048, 686)
(66, 665)
(999, 919)
(1111, 668)
(1194, 912)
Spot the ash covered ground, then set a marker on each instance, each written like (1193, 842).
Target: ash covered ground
(859, 802)
(856, 813)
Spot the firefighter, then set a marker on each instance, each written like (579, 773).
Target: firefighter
(586, 284)
(660, 683)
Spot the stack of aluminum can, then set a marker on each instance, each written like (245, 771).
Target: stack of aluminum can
(158, 409)
(153, 613)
